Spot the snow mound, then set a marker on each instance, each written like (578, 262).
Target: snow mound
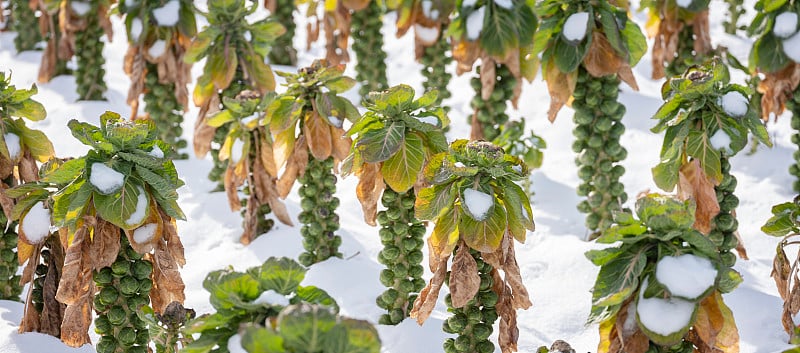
(158, 48)
(475, 23)
(167, 15)
(271, 297)
(247, 36)
(477, 203)
(735, 104)
(144, 233)
(36, 224)
(236, 150)
(575, 26)
(105, 179)
(136, 29)
(13, 145)
(663, 316)
(721, 141)
(427, 34)
(468, 3)
(687, 275)
(80, 8)
(506, 4)
(785, 25)
(141, 208)
(156, 152)
(791, 47)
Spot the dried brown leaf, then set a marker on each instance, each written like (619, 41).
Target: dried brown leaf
(740, 249)
(464, 278)
(52, 315)
(714, 328)
(341, 145)
(265, 152)
(781, 270)
(508, 335)
(626, 75)
(167, 282)
(488, 76)
(560, 86)
(426, 301)
(318, 136)
(28, 171)
(295, 167)
(76, 289)
(702, 35)
(465, 53)
(170, 235)
(628, 341)
(232, 183)
(105, 244)
(6, 203)
(777, 88)
(267, 191)
(369, 190)
(601, 59)
(694, 184)
(513, 278)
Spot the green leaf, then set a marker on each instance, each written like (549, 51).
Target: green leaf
(161, 185)
(231, 289)
(484, 236)
(284, 112)
(700, 242)
(699, 147)
(622, 232)
(25, 203)
(362, 337)
(220, 118)
(729, 279)
(282, 275)
(304, 326)
(432, 200)
(314, 295)
(378, 145)
(402, 169)
(663, 213)
(398, 97)
(30, 109)
(767, 54)
(612, 32)
(518, 206)
(772, 5)
(498, 34)
(141, 158)
(118, 207)
(635, 41)
(567, 56)
(427, 99)
(257, 339)
(340, 84)
(90, 135)
(66, 173)
(604, 256)
(782, 222)
(619, 277)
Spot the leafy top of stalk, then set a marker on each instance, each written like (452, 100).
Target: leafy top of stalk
(17, 103)
(768, 54)
(242, 115)
(784, 220)
(694, 112)
(611, 44)
(149, 30)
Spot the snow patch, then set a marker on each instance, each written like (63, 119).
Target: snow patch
(477, 203)
(663, 316)
(785, 25)
(141, 208)
(236, 150)
(158, 48)
(272, 297)
(12, 144)
(506, 4)
(791, 47)
(427, 34)
(629, 326)
(247, 36)
(144, 233)
(432, 120)
(36, 224)
(167, 15)
(475, 23)
(335, 121)
(80, 8)
(684, 3)
(468, 3)
(735, 104)
(235, 344)
(721, 141)
(156, 152)
(136, 29)
(426, 10)
(459, 165)
(517, 168)
(575, 26)
(249, 119)
(687, 275)
(105, 179)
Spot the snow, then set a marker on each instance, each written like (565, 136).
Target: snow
(475, 23)
(427, 34)
(158, 48)
(248, 36)
(432, 120)
(36, 224)
(236, 150)
(156, 152)
(459, 165)
(468, 3)
(735, 104)
(80, 8)
(558, 276)
(684, 3)
(720, 141)
(663, 316)
(791, 47)
(785, 25)
(477, 203)
(141, 208)
(105, 179)
(12, 144)
(506, 4)
(136, 29)
(575, 26)
(249, 119)
(144, 233)
(168, 15)
(272, 297)
(426, 10)
(687, 275)
(235, 344)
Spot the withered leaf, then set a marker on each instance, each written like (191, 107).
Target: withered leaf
(28, 171)
(153, 220)
(167, 282)
(341, 145)
(464, 278)
(488, 76)
(368, 191)
(513, 278)
(426, 301)
(508, 334)
(295, 167)
(601, 59)
(715, 326)
(634, 341)
(318, 136)
(232, 183)
(76, 290)
(560, 86)
(777, 88)
(105, 244)
(693, 183)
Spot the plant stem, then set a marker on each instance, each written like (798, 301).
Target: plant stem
(735, 10)
(319, 218)
(165, 111)
(283, 51)
(368, 46)
(793, 105)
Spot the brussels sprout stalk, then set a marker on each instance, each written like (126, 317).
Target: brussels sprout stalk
(490, 114)
(10, 288)
(368, 46)
(725, 225)
(90, 76)
(25, 24)
(435, 59)
(735, 10)
(794, 106)
(283, 51)
(165, 111)
(473, 322)
(319, 218)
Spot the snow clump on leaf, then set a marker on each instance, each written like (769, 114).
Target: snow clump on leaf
(687, 275)
(105, 179)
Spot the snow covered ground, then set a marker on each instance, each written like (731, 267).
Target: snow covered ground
(556, 273)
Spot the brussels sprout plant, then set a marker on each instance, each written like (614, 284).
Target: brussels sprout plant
(268, 310)
(85, 22)
(784, 223)
(165, 329)
(234, 51)
(116, 208)
(681, 33)
(54, 59)
(500, 33)
(335, 20)
(528, 148)
(706, 120)
(478, 211)
(25, 24)
(159, 34)
(20, 148)
(775, 58)
(587, 48)
(660, 289)
(368, 45)
(283, 51)
(394, 139)
(307, 122)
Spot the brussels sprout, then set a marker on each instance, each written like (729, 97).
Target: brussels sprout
(462, 343)
(415, 257)
(104, 276)
(595, 199)
(582, 117)
(121, 268)
(390, 252)
(730, 242)
(474, 315)
(725, 222)
(716, 236)
(490, 314)
(595, 141)
(106, 344)
(142, 269)
(488, 298)
(484, 347)
(108, 295)
(387, 277)
(481, 331)
(728, 259)
(137, 349)
(128, 285)
(126, 336)
(116, 316)
(457, 322)
(145, 285)
(449, 346)
(400, 228)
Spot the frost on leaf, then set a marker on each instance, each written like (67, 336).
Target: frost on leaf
(35, 226)
(105, 179)
(688, 276)
(477, 203)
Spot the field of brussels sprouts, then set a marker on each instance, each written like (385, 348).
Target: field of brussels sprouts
(552, 262)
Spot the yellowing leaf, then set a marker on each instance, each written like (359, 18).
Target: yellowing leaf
(487, 235)
(318, 136)
(402, 169)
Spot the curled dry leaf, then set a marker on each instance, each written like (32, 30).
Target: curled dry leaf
(488, 76)
(6, 203)
(714, 328)
(341, 145)
(204, 134)
(465, 53)
(76, 290)
(513, 278)
(266, 190)
(603, 60)
(232, 183)
(702, 35)
(295, 167)
(464, 278)
(777, 88)
(105, 244)
(369, 189)
(27, 168)
(509, 332)
(694, 184)
(167, 282)
(426, 301)
(337, 34)
(30, 316)
(616, 337)
(319, 136)
(134, 66)
(560, 86)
